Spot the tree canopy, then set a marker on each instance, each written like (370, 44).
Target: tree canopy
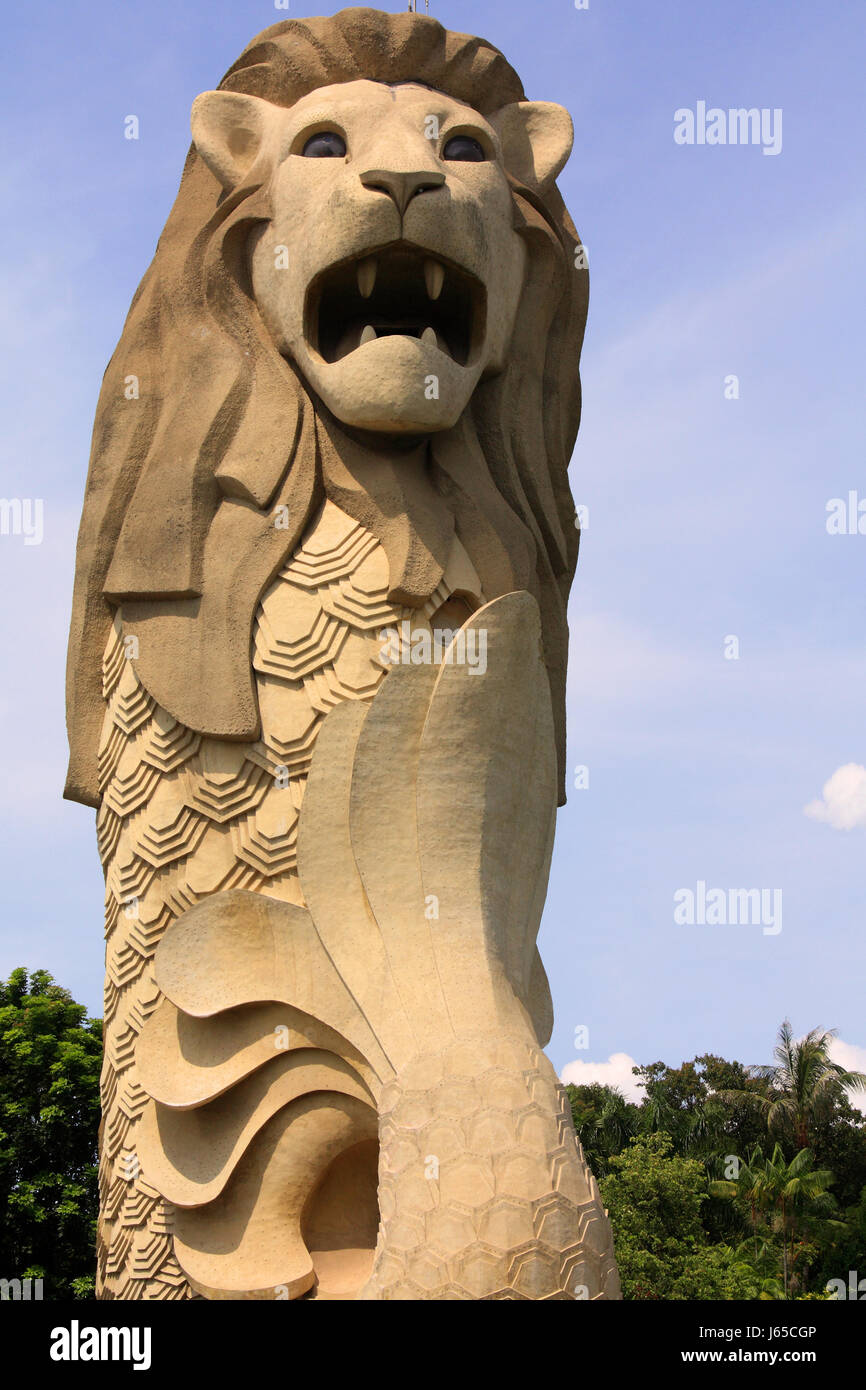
(50, 1060)
(733, 1181)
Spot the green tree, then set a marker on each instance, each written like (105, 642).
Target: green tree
(748, 1188)
(784, 1189)
(687, 1103)
(842, 1251)
(804, 1086)
(715, 1272)
(604, 1121)
(838, 1142)
(654, 1199)
(791, 1187)
(50, 1060)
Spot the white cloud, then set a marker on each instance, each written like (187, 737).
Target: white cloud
(616, 1071)
(844, 803)
(852, 1058)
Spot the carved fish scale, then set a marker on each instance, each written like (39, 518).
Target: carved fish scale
(185, 816)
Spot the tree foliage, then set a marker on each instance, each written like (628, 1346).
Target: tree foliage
(803, 1085)
(711, 1189)
(50, 1060)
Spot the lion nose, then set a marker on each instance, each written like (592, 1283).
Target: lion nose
(402, 187)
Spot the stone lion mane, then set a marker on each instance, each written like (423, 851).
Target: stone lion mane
(178, 526)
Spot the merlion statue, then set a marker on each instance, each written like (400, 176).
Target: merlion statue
(316, 689)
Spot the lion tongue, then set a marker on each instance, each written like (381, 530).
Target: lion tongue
(353, 337)
(356, 336)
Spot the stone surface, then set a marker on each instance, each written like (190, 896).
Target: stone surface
(316, 690)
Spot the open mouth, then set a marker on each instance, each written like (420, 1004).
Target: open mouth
(399, 290)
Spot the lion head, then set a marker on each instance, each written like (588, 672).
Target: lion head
(367, 289)
(390, 271)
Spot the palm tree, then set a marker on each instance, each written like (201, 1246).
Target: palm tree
(788, 1187)
(616, 1123)
(658, 1115)
(748, 1186)
(763, 1265)
(604, 1120)
(802, 1084)
(773, 1184)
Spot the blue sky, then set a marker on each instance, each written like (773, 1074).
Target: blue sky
(706, 515)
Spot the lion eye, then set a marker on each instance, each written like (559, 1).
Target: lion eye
(326, 144)
(464, 147)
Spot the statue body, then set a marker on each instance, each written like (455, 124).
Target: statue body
(316, 689)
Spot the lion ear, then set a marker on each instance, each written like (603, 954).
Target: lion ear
(228, 130)
(536, 139)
